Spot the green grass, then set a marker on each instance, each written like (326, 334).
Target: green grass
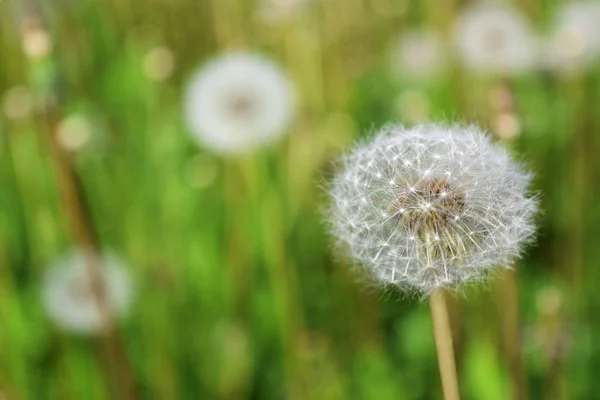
(238, 293)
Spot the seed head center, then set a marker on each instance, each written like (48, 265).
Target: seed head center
(240, 105)
(429, 208)
(80, 289)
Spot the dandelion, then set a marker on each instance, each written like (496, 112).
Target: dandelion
(17, 103)
(491, 38)
(68, 295)
(74, 132)
(201, 171)
(575, 39)
(279, 10)
(238, 103)
(159, 63)
(418, 54)
(36, 41)
(430, 207)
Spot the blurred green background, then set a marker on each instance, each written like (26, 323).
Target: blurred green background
(238, 294)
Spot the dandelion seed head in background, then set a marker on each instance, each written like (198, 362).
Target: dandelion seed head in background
(74, 132)
(273, 11)
(17, 103)
(495, 39)
(418, 53)
(575, 38)
(239, 102)
(36, 41)
(68, 296)
(159, 63)
(432, 206)
(201, 171)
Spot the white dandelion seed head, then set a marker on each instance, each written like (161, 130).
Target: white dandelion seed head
(239, 102)
(68, 297)
(492, 38)
(418, 53)
(575, 37)
(280, 10)
(432, 206)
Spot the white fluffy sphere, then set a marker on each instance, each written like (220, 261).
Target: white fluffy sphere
(68, 297)
(239, 102)
(492, 38)
(431, 206)
(575, 39)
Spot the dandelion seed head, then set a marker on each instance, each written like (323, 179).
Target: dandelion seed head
(68, 297)
(575, 38)
(36, 43)
(492, 38)
(277, 11)
(159, 63)
(468, 214)
(74, 132)
(17, 103)
(239, 102)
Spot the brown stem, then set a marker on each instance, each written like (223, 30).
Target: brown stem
(443, 341)
(81, 227)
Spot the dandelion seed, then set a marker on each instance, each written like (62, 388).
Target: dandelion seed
(491, 38)
(68, 296)
(238, 103)
(470, 214)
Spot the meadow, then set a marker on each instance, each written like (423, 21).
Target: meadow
(236, 291)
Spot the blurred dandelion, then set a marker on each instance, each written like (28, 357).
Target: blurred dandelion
(36, 41)
(430, 207)
(492, 38)
(74, 132)
(83, 130)
(233, 359)
(418, 53)
(550, 335)
(159, 63)
(575, 38)
(68, 296)
(238, 103)
(279, 10)
(201, 171)
(17, 103)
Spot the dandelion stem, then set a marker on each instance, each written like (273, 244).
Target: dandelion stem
(443, 340)
(111, 344)
(118, 366)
